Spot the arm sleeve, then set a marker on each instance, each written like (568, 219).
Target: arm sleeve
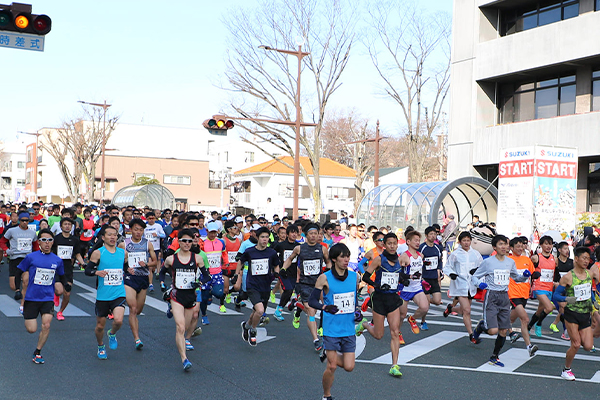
(315, 299)
(162, 273)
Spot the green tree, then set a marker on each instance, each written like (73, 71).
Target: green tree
(144, 180)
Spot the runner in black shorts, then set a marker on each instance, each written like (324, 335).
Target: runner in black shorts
(432, 270)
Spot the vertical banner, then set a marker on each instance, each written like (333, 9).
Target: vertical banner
(555, 189)
(515, 192)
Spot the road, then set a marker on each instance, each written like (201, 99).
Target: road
(437, 363)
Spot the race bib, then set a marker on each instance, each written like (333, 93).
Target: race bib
(287, 254)
(562, 274)
(231, 256)
(114, 277)
(390, 278)
(260, 267)
(583, 291)
(344, 302)
(64, 252)
(501, 277)
(88, 233)
(135, 257)
(214, 260)
(43, 276)
(416, 266)
(547, 275)
(24, 244)
(32, 227)
(184, 279)
(431, 263)
(312, 267)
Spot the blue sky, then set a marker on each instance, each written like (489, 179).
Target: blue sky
(156, 62)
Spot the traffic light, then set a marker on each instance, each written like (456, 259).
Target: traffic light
(17, 17)
(218, 125)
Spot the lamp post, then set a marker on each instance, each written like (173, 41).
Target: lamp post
(35, 169)
(102, 177)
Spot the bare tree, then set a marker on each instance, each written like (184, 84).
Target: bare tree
(411, 53)
(265, 81)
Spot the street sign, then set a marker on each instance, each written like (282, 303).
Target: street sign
(23, 41)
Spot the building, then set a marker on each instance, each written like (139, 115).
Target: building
(12, 171)
(267, 188)
(525, 73)
(387, 176)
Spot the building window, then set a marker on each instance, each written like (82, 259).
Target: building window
(177, 179)
(336, 193)
(20, 165)
(28, 177)
(597, 5)
(285, 190)
(20, 182)
(537, 100)
(6, 183)
(249, 157)
(223, 157)
(538, 14)
(39, 180)
(596, 90)
(28, 155)
(139, 175)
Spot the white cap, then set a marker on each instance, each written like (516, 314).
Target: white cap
(256, 227)
(212, 226)
(238, 220)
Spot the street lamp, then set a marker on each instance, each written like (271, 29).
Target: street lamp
(37, 136)
(102, 177)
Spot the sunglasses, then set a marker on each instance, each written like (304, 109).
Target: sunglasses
(186, 241)
(379, 240)
(24, 220)
(361, 231)
(194, 224)
(44, 240)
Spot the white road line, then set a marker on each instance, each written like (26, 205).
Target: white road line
(72, 311)
(9, 306)
(512, 359)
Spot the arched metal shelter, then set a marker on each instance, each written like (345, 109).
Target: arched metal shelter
(425, 203)
(153, 196)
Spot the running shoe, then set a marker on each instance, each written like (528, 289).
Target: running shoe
(365, 305)
(197, 331)
(272, 298)
(447, 311)
(60, 316)
(296, 322)
(360, 328)
(495, 361)
(554, 328)
(318, 345)
(532, 348)
(56, 301)
(473, 340)
(424, 326)
(478, 330)
(292, 304)
(277, 315)
(264, 320)
(238, 306)
(243, 303)
(110, 316)
(320, 332)
(21, 310)
(401, 339)
(151, 288)
(205, 320)
(102, 352)
(18, 295)
(228, 298)
(565, 336)
(163, 288)
(514, 336)
(222, 309)
(567, 375)
(593, 349)
(169, 311)
(245, 331)
(395, 370)
(300, 306)
(38, 359)
(112, 340)
(252, 338)
(209, 301)
(188, 345)
(323, 355)
(187, 365)
(413, 324)
(538, 330)
(138, 344)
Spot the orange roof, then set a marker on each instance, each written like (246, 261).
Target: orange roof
(327, 167)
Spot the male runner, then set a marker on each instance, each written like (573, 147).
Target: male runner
(432, 271)
(543, 287)
(42, 267)
(140, 257)
(284, 249)
(564, 264)
(22, 241)
(494, 274)
(355, 243)
(214, 249)
(153, 233)
(66, 247)
(232, 246)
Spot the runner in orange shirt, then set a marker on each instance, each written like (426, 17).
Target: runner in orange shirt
(545, 264)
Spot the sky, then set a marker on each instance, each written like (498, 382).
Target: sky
(156, 63)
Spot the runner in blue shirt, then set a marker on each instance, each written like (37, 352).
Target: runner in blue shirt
(42, 266)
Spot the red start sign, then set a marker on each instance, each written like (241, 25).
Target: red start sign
(544, 168)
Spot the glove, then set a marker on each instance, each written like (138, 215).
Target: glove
(483, 286)
(167, 295)
(235, 278)
(283, 273)
(205, 278)
(571, 300)
(535, 275)
(68, 287)
(406, 282)
(195, 284)
(526, 273)
(9, 252)
(358, 316)
(417, 275)
(385, 286)
(472, 272)
(276, 275)
(331, 309)
(453, 276)
(163, 288)
(426, 286)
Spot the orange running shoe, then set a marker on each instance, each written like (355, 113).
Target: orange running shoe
(413, 325)
(401, 339)
(365, 304)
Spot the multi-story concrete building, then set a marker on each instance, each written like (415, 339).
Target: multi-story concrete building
(12, 171)
(526, 72)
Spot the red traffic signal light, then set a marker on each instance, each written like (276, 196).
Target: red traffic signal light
(218, 125)
(17, 17)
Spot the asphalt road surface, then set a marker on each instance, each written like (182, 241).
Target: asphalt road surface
(438, 363)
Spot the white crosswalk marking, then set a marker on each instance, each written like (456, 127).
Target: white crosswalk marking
(9, 306)
(512, 359)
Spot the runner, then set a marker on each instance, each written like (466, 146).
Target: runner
(183, 268)
(87, 233)
(288, 282)
(432, 273)
(263, 266)
(246, 244)
(310, 259)
(575, 289)
(543, 287)
(66, 247)
(355, 244)
(370, 255)
(214, 249)
(460, 263)
(141, 257)
(109, 262)
(153, 233)
(338, 287)
(494, 274)
(232, 246)
(564, 264)
(386, 301)
(42, 267)
(518, 293)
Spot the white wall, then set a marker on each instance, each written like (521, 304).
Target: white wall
(12, 153)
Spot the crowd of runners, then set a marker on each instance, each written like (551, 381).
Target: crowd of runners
(332, 274)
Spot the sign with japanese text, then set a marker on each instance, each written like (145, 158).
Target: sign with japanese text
(23, 41)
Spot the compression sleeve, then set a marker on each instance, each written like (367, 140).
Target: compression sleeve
(361, 264)
(315, 299)
(559, 294)
(367, 279)
(162, 273)
(91, 268)
(18, 274)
